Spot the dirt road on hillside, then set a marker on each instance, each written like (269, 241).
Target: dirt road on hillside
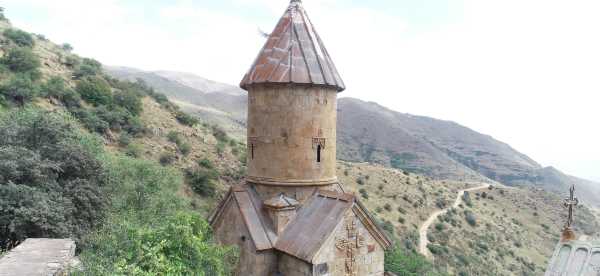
(423, 241)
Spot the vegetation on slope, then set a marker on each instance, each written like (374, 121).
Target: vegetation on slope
(69, 166)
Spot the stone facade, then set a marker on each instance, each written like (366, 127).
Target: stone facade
(350, 251)
(291, 135)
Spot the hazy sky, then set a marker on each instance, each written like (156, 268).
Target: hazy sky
(526, 72)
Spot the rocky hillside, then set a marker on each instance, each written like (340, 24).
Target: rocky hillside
(368, 132)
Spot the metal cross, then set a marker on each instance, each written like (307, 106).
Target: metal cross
(570, 202)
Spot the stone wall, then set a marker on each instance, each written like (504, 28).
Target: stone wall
(231, 230)
(292, 266)
(37, 257)
(334, 258)
(286, 128)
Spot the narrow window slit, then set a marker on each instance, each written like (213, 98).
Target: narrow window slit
(319, 153)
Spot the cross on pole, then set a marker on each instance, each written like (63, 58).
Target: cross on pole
(570, 203)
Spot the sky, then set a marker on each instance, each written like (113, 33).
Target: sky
(526, 72)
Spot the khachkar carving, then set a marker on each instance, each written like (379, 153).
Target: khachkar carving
(350, 245)
(570, 203)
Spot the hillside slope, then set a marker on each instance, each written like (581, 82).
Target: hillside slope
(368, 132)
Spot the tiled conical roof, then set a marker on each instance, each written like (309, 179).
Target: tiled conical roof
(294, 54)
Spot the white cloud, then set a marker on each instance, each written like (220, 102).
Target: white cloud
(525, 71)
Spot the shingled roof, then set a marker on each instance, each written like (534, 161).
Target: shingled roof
(294, 54)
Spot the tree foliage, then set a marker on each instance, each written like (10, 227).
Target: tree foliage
(20, 38)
(135, 242)
(21, 60)
(95, 90)
(408, 263)
(19, 89)
(50, 178)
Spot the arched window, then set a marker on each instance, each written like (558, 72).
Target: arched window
(319, 153)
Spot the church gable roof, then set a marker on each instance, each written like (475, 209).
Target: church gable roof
(575, 258)
(294, 53)
(316, 221)
(251, 210)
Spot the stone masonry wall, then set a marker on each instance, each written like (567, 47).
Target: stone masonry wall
(231, 230)
(286, 127)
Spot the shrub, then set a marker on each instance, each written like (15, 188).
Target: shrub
(364, 193)
(129, 100)
(186, 119)
(185, 148)
(470, 218)
(407, 263)
(67, 47)
(205, 163)
(88, 67)
(51, 178)
(95, 91)
(134, 150)
(54, 87)
(124, 139)
(21, 60)
(467, 199)
(401, 220)
(19, 37)
(19, 89)
(360, 181)
(167, 158)
(173, 137)
(91, 120)
(219, 133)
(202, 181)
(387, 207)
(71, 99)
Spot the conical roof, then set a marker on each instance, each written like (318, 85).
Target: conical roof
(294, 54)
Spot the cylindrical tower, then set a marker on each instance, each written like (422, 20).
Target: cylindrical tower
(292, 89)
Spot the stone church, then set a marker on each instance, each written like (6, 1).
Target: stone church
(291, 216)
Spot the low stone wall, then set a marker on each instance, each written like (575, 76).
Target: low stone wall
(48, 257)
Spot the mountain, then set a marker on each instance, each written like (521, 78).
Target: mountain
(369, 132)
(216, 103)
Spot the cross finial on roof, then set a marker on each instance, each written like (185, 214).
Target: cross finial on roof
(570, 203)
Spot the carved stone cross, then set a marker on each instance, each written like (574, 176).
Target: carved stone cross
(570, 203)
(350, 244)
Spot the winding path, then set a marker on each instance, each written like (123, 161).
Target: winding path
(423, 241)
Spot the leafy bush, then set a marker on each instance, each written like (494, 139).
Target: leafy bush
(364, 193)
(134, 150)
(124, 139)
(150, 231)
(167, 158)
(19, 89)
(174, 245)
(19, 37)
(88, 68)
(21, 60)
(95, 90)
(51, 178)
(174, 137)
(470, 218)
(202, 181)
(185, 148)
(186, 119)
(407, 263)
(129, 100)
(54, 87)
(219, 133)
(205, 163)
(67, 47)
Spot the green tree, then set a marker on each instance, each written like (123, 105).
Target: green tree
(67, 47)
(88, 67)
(19, 37)
(129, 100)
(95, 90)
(20, 89)
(408, 263)
(21, 60)
(50, 178)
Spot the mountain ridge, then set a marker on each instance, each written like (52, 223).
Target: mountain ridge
(370, 132)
